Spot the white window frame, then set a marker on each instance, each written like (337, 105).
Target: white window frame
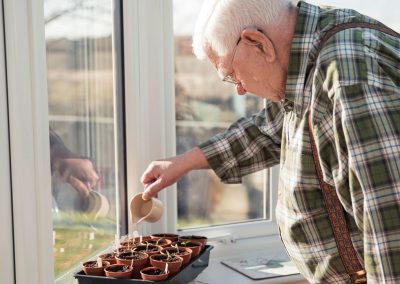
(6, 244)
(150, 109)
(29, 140)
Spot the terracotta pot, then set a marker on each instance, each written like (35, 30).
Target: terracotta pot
(135, 241)
(110, 257)
(127, 274)
(194, 246)
(171, 237)
(146, 274)
(160, 242)
(91, 268)
(185, 253)
(122, 249)
(149, 250)
(139, 261)
(160, 261)
(194, 238)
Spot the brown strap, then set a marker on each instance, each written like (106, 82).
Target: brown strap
(340, 27)
(338, 222)
(334, 208)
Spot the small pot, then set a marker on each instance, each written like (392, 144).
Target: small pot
(111, 271)
(146, 274)
(135, 241)
(122, 249)
(194, 246)
(194, 238)
(185, 253)
(171, 237)
(110, 257)
(149, 249)
(160, 242)
(90, 267)
(160, 261)
(140, 260)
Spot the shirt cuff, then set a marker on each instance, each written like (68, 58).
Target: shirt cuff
(221, 159)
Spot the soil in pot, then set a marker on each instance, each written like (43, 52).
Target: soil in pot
(149, 249)
(185, 253)
(91, 268)
(159, 242)
(135, 258)
(135, 241)
(154, 274)
(122, 249)
(195, 238)
(171, 237)
(160, 261)
(119, 271)
(110, 257)
(194, 246)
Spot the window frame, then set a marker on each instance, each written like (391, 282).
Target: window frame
(6, 244)
(155, 56)
(29, 140)
(150, 109)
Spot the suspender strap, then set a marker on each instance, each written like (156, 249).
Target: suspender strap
(335, 212)
(334, 208)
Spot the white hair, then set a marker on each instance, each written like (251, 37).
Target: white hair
(220, 22)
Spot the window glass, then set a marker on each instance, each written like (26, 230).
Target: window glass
(206, 106)
(84, 111)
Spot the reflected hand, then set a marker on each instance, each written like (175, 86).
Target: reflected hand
(79, 173)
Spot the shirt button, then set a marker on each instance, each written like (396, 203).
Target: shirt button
(288, 105)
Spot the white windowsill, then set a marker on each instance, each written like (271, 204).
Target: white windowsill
(217, 273)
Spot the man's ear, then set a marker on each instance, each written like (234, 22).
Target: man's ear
(253, 37)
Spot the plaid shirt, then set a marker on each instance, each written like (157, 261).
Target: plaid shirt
(354, 85)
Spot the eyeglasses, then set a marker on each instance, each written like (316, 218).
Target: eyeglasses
(230, 78)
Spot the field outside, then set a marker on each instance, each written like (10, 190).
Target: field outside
(79, 237)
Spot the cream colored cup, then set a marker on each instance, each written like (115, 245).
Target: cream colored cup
(145, 210)
(97, 204)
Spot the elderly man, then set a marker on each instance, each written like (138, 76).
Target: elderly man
(332, 122)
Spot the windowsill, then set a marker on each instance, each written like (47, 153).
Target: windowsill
(217, 273)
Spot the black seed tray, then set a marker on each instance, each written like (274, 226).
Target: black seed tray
(186, 275)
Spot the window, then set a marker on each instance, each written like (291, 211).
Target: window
(206, 106)
(85, 117)
(85, 106)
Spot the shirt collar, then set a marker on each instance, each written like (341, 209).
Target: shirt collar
(302, 43)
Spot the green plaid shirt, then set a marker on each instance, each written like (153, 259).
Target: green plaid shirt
(355, 89)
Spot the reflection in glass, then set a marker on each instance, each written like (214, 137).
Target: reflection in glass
(83, 126)
(206, 106)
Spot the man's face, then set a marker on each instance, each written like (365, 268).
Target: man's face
(250, 68)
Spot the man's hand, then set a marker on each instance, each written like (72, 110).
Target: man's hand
(79, 173)
(163, 173)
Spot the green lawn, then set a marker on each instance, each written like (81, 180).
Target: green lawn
(79, 237)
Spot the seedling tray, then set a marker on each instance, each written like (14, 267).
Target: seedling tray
(186, 275)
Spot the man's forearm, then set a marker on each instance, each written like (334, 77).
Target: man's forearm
(195, 159)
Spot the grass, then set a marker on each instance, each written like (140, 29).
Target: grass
(79, 237)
